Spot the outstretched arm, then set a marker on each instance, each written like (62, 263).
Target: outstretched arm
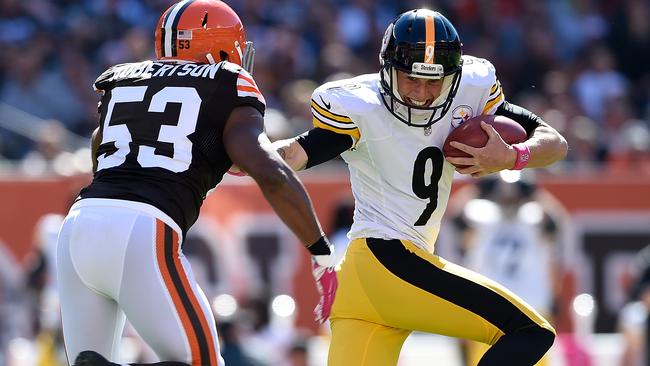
(250, 149)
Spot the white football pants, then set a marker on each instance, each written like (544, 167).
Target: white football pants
(120, 259)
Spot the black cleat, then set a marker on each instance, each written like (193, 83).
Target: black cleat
(91, 358)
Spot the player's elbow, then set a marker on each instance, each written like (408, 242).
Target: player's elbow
(553, 147)
(271, 178)
(292, 153)
(562, 147)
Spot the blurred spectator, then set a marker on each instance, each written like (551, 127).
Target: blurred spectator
(297, 355)
(599, 83)
(43, 294)
(13, 320)
(53, 51)
(48, 146)
(200, 249)
(269, 335)
(294, 96)
(633, 318)
(46, 94)
(232, 350)
(341, 224)
(629, 39)
(629, 148)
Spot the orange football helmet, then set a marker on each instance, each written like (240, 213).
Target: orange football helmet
(203, 31)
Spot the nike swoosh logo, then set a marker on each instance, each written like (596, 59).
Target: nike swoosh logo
(327, 105)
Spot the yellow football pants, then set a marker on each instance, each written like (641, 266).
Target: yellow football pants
(388, 288)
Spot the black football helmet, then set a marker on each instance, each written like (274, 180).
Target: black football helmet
(424, 44)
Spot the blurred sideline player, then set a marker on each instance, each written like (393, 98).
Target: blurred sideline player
(389, 127)
(633, 320)
(341, 224)
(43, 292)
(508, 232)
(169, 130)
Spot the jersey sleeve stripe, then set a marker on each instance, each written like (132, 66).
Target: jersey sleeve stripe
(495, 96)
(337, 123)
(340, 126)
(496, 90)
(353, 132)
(315, 107)
(259, 96)
(245, 78)
(493, 103)
(248, 89)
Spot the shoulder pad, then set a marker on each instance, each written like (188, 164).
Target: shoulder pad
(103, 81)
(232, 67)
(246, 86)
(328, 110)
(478, 71)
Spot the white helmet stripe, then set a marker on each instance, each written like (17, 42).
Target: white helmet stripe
(167, 50)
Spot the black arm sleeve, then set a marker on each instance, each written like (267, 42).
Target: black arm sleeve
(527, 119)
(322, 145)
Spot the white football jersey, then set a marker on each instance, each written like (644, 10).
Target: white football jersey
(512, 250)
(400, 179)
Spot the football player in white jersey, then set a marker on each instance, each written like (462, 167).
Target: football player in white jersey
(390, 127)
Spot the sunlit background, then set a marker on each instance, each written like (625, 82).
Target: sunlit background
(582, 65)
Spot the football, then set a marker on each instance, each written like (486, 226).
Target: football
(470, 133)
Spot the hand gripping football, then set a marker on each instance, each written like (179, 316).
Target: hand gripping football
(470, 133)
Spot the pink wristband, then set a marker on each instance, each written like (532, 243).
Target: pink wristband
(523, 156)
(238, 174)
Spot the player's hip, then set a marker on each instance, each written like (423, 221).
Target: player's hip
(107, 207)
(423, 237)
(398, 284)
(106, 241)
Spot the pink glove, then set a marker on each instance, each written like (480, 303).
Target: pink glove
(327, 284)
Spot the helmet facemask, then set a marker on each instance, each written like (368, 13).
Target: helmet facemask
(409, 46)
(412, 115)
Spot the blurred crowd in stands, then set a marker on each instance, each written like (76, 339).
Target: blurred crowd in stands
(580, 64)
